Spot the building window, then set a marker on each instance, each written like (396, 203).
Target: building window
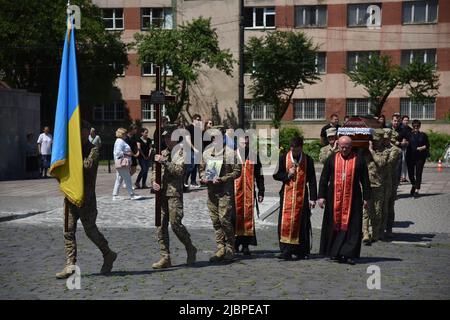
(149, 70)
(258, 112)
(119, 68)
(156, 17)
(418, 110)
(357, 14)
(113, 19)
(321, 62)
(420, 12)
(113, 111)
(260, 18)
(310, 16)
(358, 107)
(309, 109)
(425, 56)
(355, 57)
(148, 110)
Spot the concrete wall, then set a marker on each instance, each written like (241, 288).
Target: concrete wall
(19, 115)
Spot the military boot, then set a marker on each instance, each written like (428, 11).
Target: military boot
(366, 239)
(108, 260)
(191, 255)
(164, 262)
(66, 272)
(218, 256)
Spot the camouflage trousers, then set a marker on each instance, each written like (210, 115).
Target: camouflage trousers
(172, 211)
(220, 209)
(389, 207)
(372, 217)
(88, 216)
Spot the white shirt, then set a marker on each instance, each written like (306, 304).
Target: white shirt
(96, 141)
(45, 140)
(120, 148)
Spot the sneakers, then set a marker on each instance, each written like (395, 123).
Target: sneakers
(162, 263)
(66, 272)
(135, 197)
(194, 186)
(108, 260)
(191, 255)
(115, 198)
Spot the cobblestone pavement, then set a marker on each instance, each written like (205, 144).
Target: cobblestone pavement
(413, 266)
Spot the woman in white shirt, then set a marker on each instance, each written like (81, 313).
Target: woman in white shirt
(122, 150)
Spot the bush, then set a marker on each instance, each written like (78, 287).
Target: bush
(286, 135)
(438, 144)
(312, 149)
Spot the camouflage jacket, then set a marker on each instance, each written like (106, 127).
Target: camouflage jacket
(325, 152)
(377, 163)
(172, 173)
(90, 166)
(230, 170)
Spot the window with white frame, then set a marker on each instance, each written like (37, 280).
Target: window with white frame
(358, 107)
(149, 70)
(148, 110)
(418, 110)
(113, 18)
(113, 111)
(258, 111)
(420, 11)
(156, 17)
(355, 57)
(309, 109)
(259, 17)
(321, 62)
(357, 14)
(310, 16)
(424, 55)
(119, 68)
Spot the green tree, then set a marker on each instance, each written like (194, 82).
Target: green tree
(282, 62)
(184, 51)
(31, 43)
(379, 77)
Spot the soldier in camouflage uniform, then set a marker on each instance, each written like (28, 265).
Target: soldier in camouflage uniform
(87, 213)
(376, 160)
(391, 183)
(221, 195)
(332, 146)
(172, 171)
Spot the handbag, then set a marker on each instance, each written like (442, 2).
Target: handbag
(121, 163)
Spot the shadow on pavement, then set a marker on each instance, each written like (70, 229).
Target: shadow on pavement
(413, 237)
(402, 224)
(364, 260)
(20, 216)
(421, 195)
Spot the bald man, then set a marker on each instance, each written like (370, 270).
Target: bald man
(344, 189)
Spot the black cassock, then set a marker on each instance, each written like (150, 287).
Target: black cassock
(343, 243)
(304, 247)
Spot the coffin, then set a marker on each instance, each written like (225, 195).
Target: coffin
(360, 129)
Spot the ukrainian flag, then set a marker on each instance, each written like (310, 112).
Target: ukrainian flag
(67, 158)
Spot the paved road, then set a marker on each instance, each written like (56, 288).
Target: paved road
(415, 265)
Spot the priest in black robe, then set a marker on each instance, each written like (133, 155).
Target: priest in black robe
(245, 196)
(344, 189)
(298, 195)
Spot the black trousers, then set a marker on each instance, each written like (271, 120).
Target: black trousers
(415, 170)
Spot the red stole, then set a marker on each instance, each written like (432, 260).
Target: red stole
(344, 175)
(294, 195)
(244, 191)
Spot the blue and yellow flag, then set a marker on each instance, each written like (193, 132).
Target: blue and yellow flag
(67, 157)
